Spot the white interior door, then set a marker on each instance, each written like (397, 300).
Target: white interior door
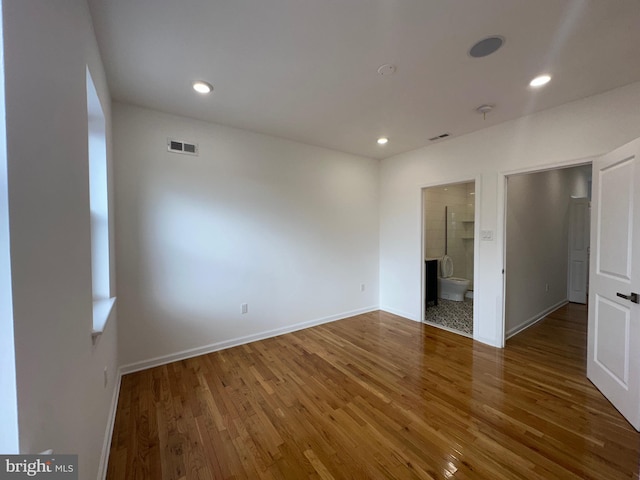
(613, 361)
(578, 250)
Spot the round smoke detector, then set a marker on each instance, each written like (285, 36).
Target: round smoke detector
(487, 46)
(484, 109)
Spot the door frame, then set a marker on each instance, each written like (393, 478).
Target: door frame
(502, 214)
(476, 232)
(572, 231)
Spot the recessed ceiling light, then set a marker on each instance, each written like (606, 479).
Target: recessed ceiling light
(539, 81)
(486, 46)
(382, 140)
(202, 87)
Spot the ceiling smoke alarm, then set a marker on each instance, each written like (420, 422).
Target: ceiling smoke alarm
(484, 109)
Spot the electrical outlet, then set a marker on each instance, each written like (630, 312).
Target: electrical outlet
(106, 376)
(244, 308)
(546, 287)
(362, 287)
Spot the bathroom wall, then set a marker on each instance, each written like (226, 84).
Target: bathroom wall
(436, 199)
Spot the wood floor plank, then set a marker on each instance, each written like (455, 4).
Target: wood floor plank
(377, 396)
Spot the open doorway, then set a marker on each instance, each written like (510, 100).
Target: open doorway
(609, 345)
(546, 243)
(448, 256)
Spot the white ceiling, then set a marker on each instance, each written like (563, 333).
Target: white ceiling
(307, 69)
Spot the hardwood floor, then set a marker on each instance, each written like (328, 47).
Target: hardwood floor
(376, 397)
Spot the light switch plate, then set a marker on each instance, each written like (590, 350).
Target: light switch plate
(486, 235)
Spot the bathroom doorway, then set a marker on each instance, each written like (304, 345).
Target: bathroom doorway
(448, 256)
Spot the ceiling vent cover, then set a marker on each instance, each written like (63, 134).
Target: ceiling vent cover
(439, 137)
(178, 146)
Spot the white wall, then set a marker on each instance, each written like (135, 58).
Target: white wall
(289, 229)
(537, 239)
(568, 133)
(62, 402)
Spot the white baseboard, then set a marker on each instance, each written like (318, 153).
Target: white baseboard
(488, 341)
(401, 313)
(535, 319)
(111, 419)
(234, 342)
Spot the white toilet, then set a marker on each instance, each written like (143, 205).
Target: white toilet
(451, 288)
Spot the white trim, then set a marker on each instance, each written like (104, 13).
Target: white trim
(535, 319)
(576, 162)
(400, 313)
(455, 181)
(234, 342)
(111, 420)
(503, 188)
(101, 314)
(491, 342)
(422, 262)
(501, 245)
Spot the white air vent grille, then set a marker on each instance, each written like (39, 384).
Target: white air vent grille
(178, 146)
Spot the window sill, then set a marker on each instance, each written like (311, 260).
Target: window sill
(101, 314)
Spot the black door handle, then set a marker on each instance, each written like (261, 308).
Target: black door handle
(634, 297)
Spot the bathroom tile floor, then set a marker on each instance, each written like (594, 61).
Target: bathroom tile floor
(452, 315)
